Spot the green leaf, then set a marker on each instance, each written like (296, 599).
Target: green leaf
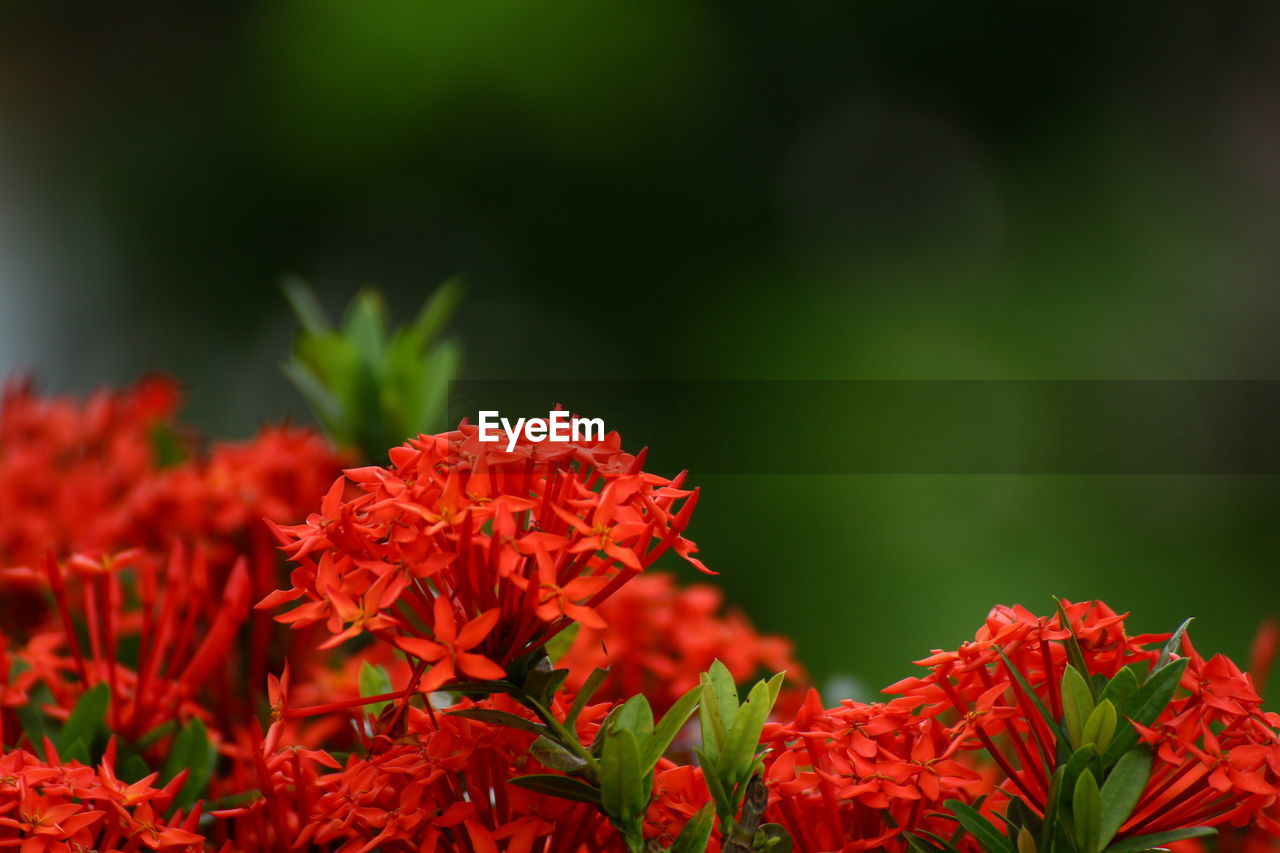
(624, 788)
(500, 718)
(920, 845)
(719, 707)
(305, 305)
(635, 716)
(1121, 791)
(1100, 726)
(31, 718)
(1075, 655)
(1086, 806)
(665, 732)
(1171, 646)
(697, 832)
(374, 681)
(75, 751)
(365, 325)
(744, 738)
(1121, 687)
(88, 720)
(133, 769)
(1077, 704)
(589, 688)
(989, 838)
(435, 312)
(1144, 706)
(553, 755)
(544, 682)
(191, 751)
(154, 734)
(1159, 839)
(564, 787)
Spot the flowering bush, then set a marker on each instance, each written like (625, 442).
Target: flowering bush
(246, 647)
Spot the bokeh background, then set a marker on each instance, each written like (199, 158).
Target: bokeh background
(673, 189)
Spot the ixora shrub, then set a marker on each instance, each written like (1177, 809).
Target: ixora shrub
(250, 647)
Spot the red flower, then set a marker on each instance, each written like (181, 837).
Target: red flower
(857, 776)
(450, 651)
(537, 537)
(1217, 758)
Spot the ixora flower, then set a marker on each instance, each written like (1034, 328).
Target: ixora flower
(54, 806)
(469, 557)
(1140, 745)
(860, 776)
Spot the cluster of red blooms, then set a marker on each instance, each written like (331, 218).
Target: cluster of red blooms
(132, 558)
(54, 806)
(1217, 756)
(857, 776)
(466, 556)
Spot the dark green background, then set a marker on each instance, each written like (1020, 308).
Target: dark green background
(697, 190)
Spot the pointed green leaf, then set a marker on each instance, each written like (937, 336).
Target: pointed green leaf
(1077, 703)
(988, 837)
(1121, 687)
(1171, 646)
(500, 718)
(1159, 839)
(589, 688)
(1086, 807)
(1121, 791)
(192, 752)
(1100, 726)
(374, 681)
(635, 716)
(564, 787)
(665, 732)
(553, 755)
(623, 787)
(305, 305)
(1143, 707)
(744, 737)
(88, 720)
(1075, 655)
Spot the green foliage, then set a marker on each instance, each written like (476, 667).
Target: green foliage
(369, 387)
(616, 771)
(191, 752)
(374, 681)
(85, 733)
(730, 753)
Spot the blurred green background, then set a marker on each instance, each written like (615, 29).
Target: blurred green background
(697, 190)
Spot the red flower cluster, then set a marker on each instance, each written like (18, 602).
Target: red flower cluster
(136, 649)
(60, 806)
(856, 777)
(441, 784)
(1217, 757)
(467, 556)
(658, 637)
